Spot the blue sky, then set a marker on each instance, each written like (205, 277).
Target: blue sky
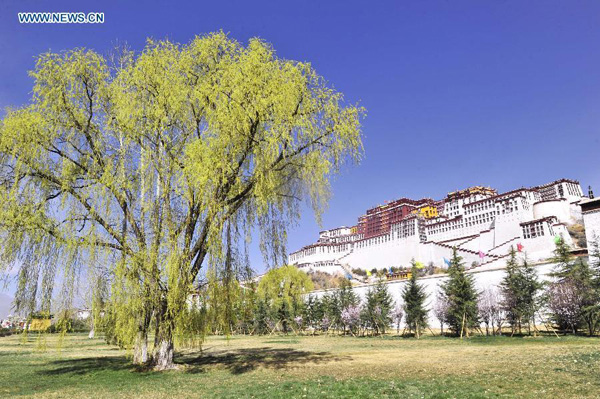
(458, 93)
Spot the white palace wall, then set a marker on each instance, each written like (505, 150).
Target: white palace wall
(486, 224)
(431, 284)
(592, 227)
(558, 208)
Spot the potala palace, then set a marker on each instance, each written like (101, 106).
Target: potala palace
(480, 222)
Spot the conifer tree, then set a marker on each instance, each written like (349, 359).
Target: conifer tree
(331, 312)
(563, 259)
(579, 277)
(346, 295)
(284, 316)
(530, 293)
(261, 322)
(589, 298)
(378, 306)
(313, 312)
(510, 288)
(385, 303)
(461, 295)
(346, 299)
(520, 293)
(414, 298)
(367, 315)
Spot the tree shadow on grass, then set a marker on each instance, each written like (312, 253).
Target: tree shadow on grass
(237, 361)
(244, 360)
(86, 365)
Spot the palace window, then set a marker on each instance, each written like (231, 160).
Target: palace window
(533, 230)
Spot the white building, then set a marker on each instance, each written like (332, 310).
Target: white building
(590, 209)
(478, 221)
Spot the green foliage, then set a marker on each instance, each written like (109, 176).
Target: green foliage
(520, 290)
(281, 290)
(563, 259)
(143, 164)
(313, 312)
(263, 317)
(346, 295)
(332, 311)
(377, 309)
(580, 279)
(414, 297)
(460, 294)
(284, 284)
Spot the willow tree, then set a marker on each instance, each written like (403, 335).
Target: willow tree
(143, 166)
(281, 289)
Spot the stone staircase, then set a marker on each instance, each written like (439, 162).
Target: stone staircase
(465, 238)
(504, 243)
(474, 236)
(490, 257)
(345, 255)
(498, 257)
(464, 250)
(347, 268)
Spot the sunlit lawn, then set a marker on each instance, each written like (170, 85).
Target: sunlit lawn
(310, 367)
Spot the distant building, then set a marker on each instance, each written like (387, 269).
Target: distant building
(13, 322)
(481, 223)
(83, 314)
(590, 210)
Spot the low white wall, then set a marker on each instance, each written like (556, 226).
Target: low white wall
(483, 279)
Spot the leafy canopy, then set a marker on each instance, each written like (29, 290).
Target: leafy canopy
(284, 284)
(130, 168)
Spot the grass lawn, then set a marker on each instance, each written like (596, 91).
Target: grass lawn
(310, 367)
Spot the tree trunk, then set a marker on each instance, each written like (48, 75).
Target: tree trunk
(162, 357)
(140, 348)
(591, 326)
